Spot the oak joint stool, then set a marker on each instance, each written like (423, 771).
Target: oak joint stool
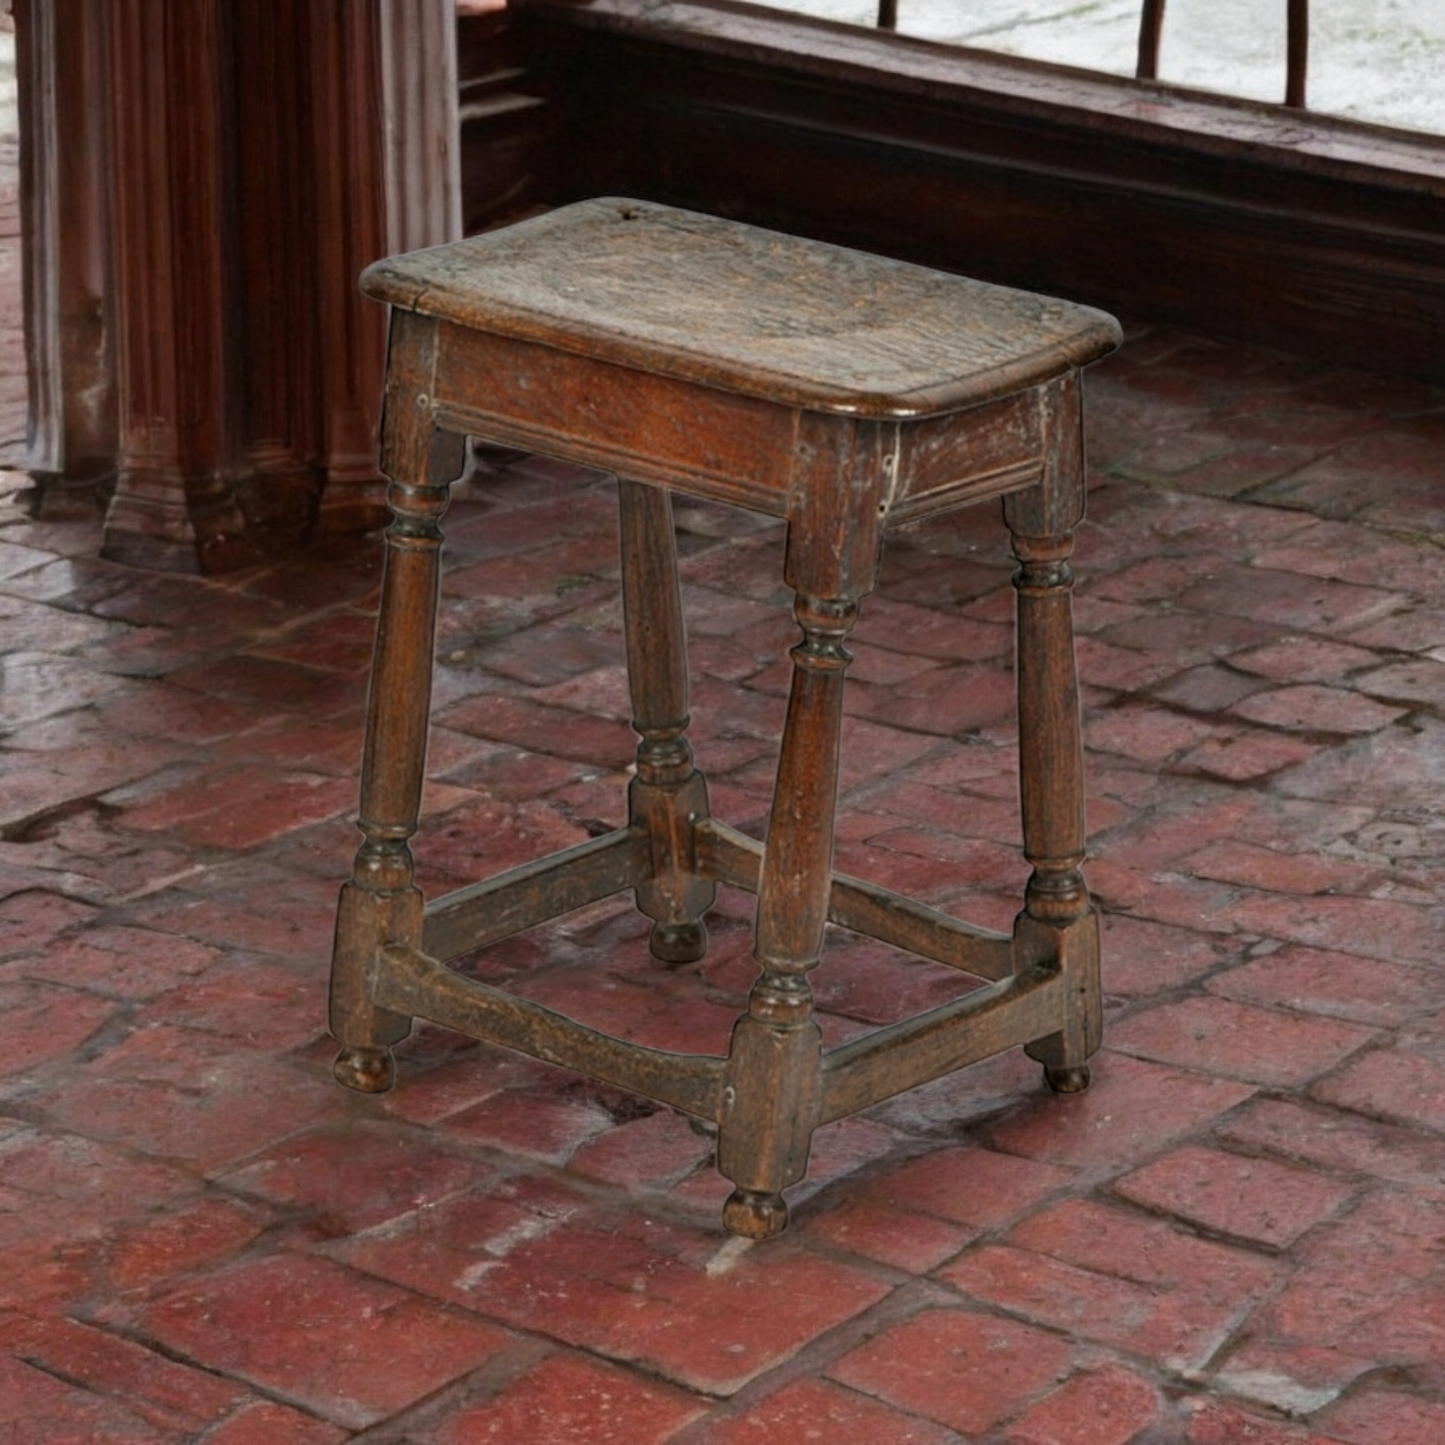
(847, 394)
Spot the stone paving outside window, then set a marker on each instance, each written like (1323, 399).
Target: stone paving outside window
(1372, 60)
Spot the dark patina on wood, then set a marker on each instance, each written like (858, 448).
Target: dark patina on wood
(844, 393)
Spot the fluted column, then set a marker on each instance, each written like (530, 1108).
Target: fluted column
(207, 180)
(65, 202)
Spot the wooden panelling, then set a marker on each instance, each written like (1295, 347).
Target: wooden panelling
(511, 123)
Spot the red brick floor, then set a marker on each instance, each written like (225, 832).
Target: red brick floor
(1235, 1236)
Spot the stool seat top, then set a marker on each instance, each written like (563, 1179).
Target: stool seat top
(726, 305)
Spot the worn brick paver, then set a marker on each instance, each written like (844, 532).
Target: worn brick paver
(1121, 1279)
(652, 1152)
(1132, 1110)
(968, 1371)
(350, 1348)
(32, 919)
(1376, 928)
(186, 1099)
(1262, 1046)
(1213, 1423)
(1107, 1406)
(1295, 1376)
(265, 1423)
(1306, 658)
(1314, 708)
(567, 1400)
(537, 1125)
(818, 1409)
(163, 1391)
(709, 1324)
(129, 963)
(1368, 1287)
(448, 1250)
(1340, 985)
(920, 1214)
(197, 1232)
(1263, 1200)
(40, 1023)
(1231, 1239)
(1387, 1417)
(1284, 872)
(36, 1407)
(1402, 1084)
(1389, 771)
(358, 1179)
(1147, 959)
(1339, 1140)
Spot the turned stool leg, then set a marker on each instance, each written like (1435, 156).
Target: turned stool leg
(1059, 924)
(381, 905)
(773, 1076)
(668, 797)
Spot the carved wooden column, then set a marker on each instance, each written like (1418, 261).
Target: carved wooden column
(349, 233)
(419, 88)
(276, 276)
(259, 153)
(179, 319)
(65, 199)
(399, 191)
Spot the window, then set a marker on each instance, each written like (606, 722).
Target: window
(1381, 61)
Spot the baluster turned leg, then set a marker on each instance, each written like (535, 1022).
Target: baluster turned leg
(381, 905)
(773, 1075)
(1059, 925)
(668, 797)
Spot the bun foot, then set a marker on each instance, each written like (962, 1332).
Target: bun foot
(372, 1071)
(679, 942)
(754, 1215)
(1068, 1081)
